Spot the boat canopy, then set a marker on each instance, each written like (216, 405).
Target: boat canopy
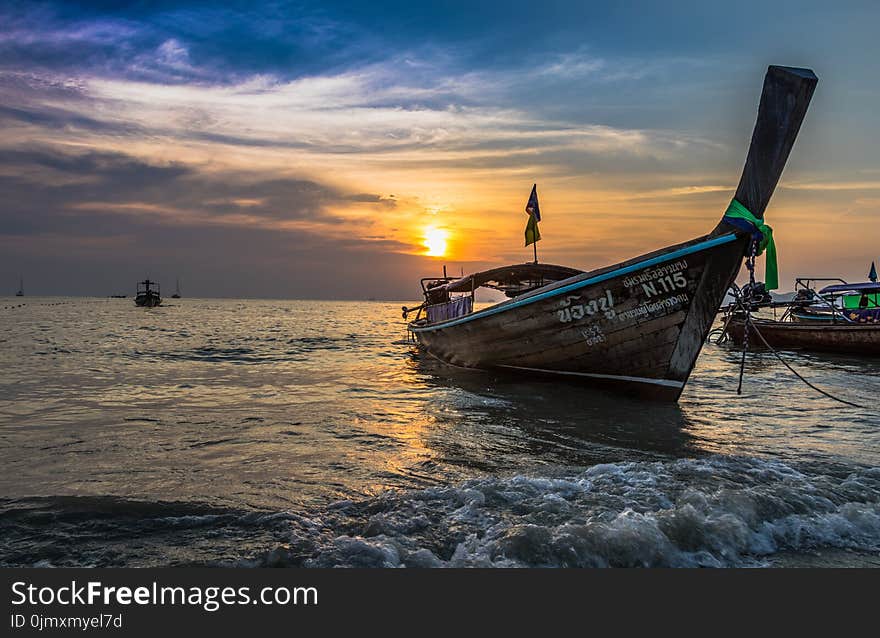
(513, 280)
(837, 289)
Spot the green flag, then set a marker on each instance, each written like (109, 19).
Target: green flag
(532, 232)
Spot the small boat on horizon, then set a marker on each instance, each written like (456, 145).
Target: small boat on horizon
(635, 326)
(146, 296)
(20, 292)
(176, 294)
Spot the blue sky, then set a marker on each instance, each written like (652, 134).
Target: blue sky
(303, 149)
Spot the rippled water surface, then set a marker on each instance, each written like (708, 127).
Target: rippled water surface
(227, 432)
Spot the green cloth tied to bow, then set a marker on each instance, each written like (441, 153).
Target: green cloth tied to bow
(737, 211)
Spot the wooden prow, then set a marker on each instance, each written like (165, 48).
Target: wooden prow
(784, 101)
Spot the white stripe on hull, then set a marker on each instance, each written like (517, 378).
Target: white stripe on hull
(595, 375)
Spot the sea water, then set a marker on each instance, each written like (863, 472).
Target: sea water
(313, 433)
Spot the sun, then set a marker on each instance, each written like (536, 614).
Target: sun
(435, 241)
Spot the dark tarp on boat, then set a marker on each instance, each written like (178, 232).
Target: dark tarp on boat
(513, 280)
(842, 288)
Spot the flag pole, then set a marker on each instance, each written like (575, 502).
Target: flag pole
(535, 246)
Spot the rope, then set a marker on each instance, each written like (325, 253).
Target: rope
(746, 299)
(751, 325)
(743, 301)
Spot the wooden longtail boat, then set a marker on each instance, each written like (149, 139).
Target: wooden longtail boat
(861, 339)
(842, 318)
(146, 296)
(636, 326)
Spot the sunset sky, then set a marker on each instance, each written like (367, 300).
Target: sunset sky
(321, 149)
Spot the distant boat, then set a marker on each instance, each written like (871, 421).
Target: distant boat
(146, 296)
(176, 294)
(636, 326)
(842, 317)
(20, 292)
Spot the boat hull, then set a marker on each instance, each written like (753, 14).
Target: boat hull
(148, 301)
(636, 327)
(862, 339)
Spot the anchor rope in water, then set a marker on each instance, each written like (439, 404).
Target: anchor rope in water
(750, 264)
(799, 376)
(742, 301)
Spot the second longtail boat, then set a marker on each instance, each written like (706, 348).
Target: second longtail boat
(840, 318)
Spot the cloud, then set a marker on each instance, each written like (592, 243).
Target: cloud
(174, 54)
(105, 219)
(370, 110)
(834, 186)
(88, 192)
(175, 43)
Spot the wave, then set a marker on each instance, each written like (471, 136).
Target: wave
(104, 531)
(715, 512)
(718, 511)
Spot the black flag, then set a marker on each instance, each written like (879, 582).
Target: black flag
(532, 207)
